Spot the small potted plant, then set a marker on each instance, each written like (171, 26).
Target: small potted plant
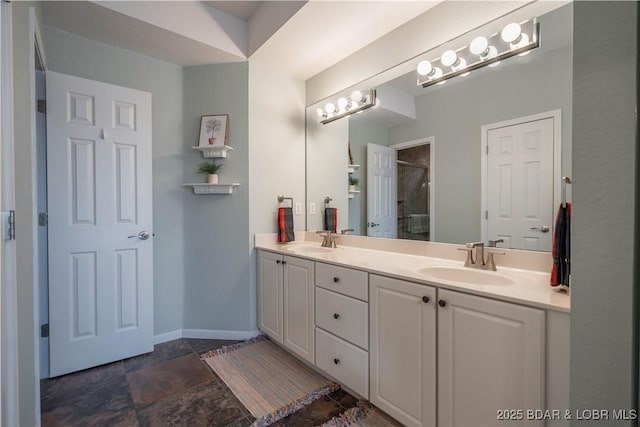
(211, 170)
(353, 181)
(212, 126)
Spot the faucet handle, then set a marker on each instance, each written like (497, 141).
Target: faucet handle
(474, 244)
(491, 265)
(493, 243)
(332, 242)
(469, 262)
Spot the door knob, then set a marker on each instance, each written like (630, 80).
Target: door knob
(442, 303)
(426, 299)
(543, 229)
(372, 224)
(143, 235)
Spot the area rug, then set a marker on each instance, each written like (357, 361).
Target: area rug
(268, 381)
(363, 415)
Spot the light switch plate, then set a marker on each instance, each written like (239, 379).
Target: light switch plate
(312, 208)
(298, 208)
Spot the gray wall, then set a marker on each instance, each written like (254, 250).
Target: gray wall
(604, 321)
(25, 207)
(216, 228)
(454, 114)
(362, 132)
(70, 54)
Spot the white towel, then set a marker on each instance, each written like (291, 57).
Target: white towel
(418, 223)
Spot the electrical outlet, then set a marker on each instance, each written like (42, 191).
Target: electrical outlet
(298, 208)
(312, 208)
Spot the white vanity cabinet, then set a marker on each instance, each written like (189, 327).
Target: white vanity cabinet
(491, 357)
(403, 349)
(286, 302)
(488, 355)
(342, 325)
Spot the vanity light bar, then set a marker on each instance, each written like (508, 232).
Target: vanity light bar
(344, 107)
(514, 39)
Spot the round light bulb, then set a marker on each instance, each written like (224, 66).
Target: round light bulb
(523, 41)
(342, 103)
(356, 96)
(479, 46)
(511, 32)
(330, 108)
(449, 58)
(320, 112)
(436, 73)
(424, 68)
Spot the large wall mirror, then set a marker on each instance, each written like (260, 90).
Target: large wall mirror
(419, 159)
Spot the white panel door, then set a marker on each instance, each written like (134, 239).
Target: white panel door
(99, 193)
(270, 288)
(403, 350)
(490, 357)
(299, 303)
(381, 191)
(520, 185)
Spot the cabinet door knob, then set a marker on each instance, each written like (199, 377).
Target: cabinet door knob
(284, 262)
(278, 261)
(336, 316)
(336, 361)
(336, 279)
(426, 299)
(442, 303)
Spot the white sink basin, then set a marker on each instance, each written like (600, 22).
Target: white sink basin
(466, 275)
(307, 249)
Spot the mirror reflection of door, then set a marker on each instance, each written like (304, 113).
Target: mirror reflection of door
(381, 191)
(520, 176)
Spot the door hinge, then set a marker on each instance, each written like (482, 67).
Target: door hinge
(42, 106)
(486, 214)
(43, 219)
(487, 150)
(12, 225)
(44, 330)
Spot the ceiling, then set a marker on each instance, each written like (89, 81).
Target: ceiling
(297, 38)
(240, 9)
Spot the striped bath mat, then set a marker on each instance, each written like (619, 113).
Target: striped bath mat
(363, 415)
(268, 381)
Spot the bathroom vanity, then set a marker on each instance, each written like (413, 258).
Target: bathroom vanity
(420, 335)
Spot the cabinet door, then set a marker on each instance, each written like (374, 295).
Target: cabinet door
(403, 349)
(490, 358)
(269, 279)
(299, 303)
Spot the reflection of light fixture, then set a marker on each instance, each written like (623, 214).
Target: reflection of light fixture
(356, 104)
(514, 39)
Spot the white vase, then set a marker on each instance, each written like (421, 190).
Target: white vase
(212, 178)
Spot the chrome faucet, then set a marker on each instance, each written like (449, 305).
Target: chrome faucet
(347, 230)
(478, 261)
(494, 243)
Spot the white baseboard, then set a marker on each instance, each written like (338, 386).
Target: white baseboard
(211, 334)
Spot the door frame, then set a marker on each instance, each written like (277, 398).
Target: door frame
(556, 115)
(431, 142)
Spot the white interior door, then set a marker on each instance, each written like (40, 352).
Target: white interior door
(99, 193)
(520, 174)
(381, 191)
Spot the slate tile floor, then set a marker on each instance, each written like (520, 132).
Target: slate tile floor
(169, 387)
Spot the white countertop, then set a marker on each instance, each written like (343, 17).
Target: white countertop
(529, 287)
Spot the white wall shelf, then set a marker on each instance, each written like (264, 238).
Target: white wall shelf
(352, 168)
(353, 193)
(214, 151)
(204, 188)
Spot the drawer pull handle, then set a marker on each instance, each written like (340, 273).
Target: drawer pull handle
(336, 279)
(278, 261)
(336, 361)
(284, 262)
(336, 316)
(442, 303)
(426, 299)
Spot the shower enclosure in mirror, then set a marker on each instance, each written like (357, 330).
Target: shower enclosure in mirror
(479, 157)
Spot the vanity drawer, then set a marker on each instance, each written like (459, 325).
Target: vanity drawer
(346, 281)
(343, 316)
(343, 361)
